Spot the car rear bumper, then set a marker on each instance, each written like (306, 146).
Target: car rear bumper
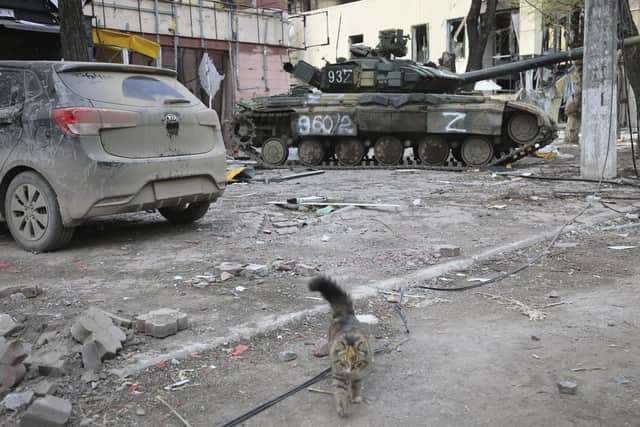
(90, 182)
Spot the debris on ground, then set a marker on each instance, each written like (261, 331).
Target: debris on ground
(48, 411)
(50, 363)
(7, 325)
(99, 337)
(12, 369)
(567, 387)
(27, 291)
(240, 348)
(524, 309)
(15, 401)
(288, 356)
(162, 323)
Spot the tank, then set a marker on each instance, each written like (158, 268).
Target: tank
(372, 107)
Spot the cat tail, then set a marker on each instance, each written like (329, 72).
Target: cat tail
(340, 301)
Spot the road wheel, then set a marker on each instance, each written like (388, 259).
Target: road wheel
(388, 150)
(350, 152)
(311, 151)
(185, 214)
(476, 151)
(433, 150)
(33, 215)
(275, 151)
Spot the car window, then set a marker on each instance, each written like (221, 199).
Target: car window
(126, 88)
(11, 88)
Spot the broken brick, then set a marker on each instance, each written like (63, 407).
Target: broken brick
(48, 411)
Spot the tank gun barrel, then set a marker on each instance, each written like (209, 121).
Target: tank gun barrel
(529, 64)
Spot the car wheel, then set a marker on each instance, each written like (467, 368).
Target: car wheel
(185, 214)
(32, 214)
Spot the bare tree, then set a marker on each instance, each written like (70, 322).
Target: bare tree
(73, 35)
(480, 26)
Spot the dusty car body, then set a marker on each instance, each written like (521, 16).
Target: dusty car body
(80, 140)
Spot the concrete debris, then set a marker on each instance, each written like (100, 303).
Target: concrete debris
(15, 401)
(259, 270)
(567, 387)
(12, 368)
(18, 298)
(99, 337)
(177, 385)
(287, 231)
(51, 363)
(140, 411)
(284, 266)
(27, 291)
(368, 319)
(120, 321)
(285, 224)
(230, 267)
(162, 323)
(7, 325)
(288, 356)
(46, 337)
(448, 251)
(306, 270)
(49, 411)
(554, 294)
(44, 388)
(321, 349)
(224, 276)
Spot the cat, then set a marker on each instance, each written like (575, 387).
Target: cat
(349, 352)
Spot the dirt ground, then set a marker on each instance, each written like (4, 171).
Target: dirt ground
(471, 358)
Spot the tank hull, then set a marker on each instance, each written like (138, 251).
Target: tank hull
(351, 129)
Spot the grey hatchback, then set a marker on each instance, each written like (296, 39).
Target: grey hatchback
(80, 140)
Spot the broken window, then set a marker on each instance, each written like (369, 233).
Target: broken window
(455, 37)
(355, 39)
(420, 43)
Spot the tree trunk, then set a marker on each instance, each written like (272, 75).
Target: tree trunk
(73, 35)
(574, 108)
(479, 28)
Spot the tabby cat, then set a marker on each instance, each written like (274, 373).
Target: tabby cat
(349, 350)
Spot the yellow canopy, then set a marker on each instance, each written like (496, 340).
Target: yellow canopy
(126, 41)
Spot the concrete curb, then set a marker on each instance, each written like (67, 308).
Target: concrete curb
(248, 330)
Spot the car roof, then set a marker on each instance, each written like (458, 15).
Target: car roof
(72, 66)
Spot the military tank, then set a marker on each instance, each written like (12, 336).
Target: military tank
(376, 104)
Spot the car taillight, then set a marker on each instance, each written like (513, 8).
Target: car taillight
(82, 121)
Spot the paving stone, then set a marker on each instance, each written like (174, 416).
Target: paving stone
(99, 337)
(48, 411)
(162, 323)
(49, 363)
(15, 401)
(44, 388)
(7, 325)
(12, 368)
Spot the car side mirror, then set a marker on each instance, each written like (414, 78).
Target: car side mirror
(11, 115)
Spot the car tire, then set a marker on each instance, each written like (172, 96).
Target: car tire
(185, 214)
(32, 214)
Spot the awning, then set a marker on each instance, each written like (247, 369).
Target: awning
(126, 41)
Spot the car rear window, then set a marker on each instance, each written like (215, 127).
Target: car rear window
(126, 88)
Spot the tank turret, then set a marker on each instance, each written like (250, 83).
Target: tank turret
(376, 70)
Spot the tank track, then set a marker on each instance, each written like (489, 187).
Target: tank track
(369, 162)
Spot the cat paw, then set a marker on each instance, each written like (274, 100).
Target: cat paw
(357, 399)
(343, 409)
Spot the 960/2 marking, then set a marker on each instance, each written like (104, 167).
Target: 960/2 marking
(325, 124)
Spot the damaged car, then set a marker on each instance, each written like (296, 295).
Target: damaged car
(82, 140)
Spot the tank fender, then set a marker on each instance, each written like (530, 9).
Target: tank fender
(543, 118)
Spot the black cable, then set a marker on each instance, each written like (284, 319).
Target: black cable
(554, 178)
(266, 405)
